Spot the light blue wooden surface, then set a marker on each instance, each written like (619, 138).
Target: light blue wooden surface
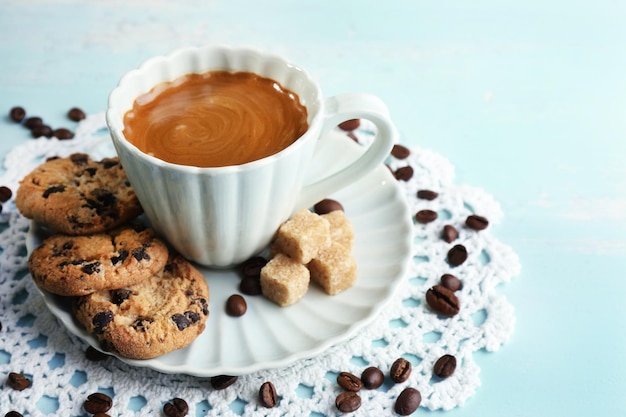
(526, 99)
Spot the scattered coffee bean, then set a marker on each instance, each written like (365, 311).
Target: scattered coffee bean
(349, 382)
(101, 415)
(426, 216)
(18, 381)
(236, 305)
(252, 267)
(348, 401)
(427, 195)
(17, 114)
(451, 282)
(13, 414)
(76, 114)
(372, 377)
(267, 395)
(476, 222)
(327, 205)
(33, 121)
(63, 133)
(404, 173)
(449, 233)
(177, 408)
(94, 355)
(445, 366)
(457, 255)
(1, 208)
(5, 193)
(400, 370)
(98, 403)
(350, 125)
(220, 382)
(41, 130)
(408, 401)
(442, 301)
(400, 152)
(250, 286)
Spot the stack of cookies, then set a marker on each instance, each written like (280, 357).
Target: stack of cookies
(136, 296)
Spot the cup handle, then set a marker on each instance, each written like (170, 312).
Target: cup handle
(337, 110)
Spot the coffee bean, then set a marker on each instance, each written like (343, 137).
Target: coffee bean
(349, 382)
(98, 403)
(445, 366)
(404, 173)
(400, 152)
(95, 355)
(408, 401)
(32, 122)
(348, 401)
(451, 282)
(372, 377)
(177, 408)
(350, 125)
(442, 301)
(400, 370)
(18, 381)
(267, 395)
(62, 133)
(457, 255)
(5, 193)
(252, 267)
(220, 382)
(449, 233)
(101, 415)
(236, 305)
(476, 222)
(76, 114)
(327, 205)
(250, 286)
(13, 414)
(426, 216)
(41, 130)
(427, 195)
(17, 114)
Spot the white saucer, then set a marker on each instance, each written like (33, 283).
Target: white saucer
(268, 336)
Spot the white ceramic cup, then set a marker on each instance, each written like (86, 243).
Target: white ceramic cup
(221, 216)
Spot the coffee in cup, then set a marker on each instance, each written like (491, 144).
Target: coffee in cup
(215, 119)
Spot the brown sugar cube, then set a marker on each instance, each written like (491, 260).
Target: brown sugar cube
(341, 230)
(284, 280)
(302, 236)
(334, 269)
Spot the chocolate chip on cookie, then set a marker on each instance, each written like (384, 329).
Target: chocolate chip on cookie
(77, 195)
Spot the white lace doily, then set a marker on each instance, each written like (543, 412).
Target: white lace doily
(32, 342)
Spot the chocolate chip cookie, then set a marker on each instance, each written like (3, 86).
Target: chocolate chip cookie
(79, 265)
(77, 195)
(161, 314)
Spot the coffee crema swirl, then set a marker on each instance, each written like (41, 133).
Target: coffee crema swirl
(215, 119)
